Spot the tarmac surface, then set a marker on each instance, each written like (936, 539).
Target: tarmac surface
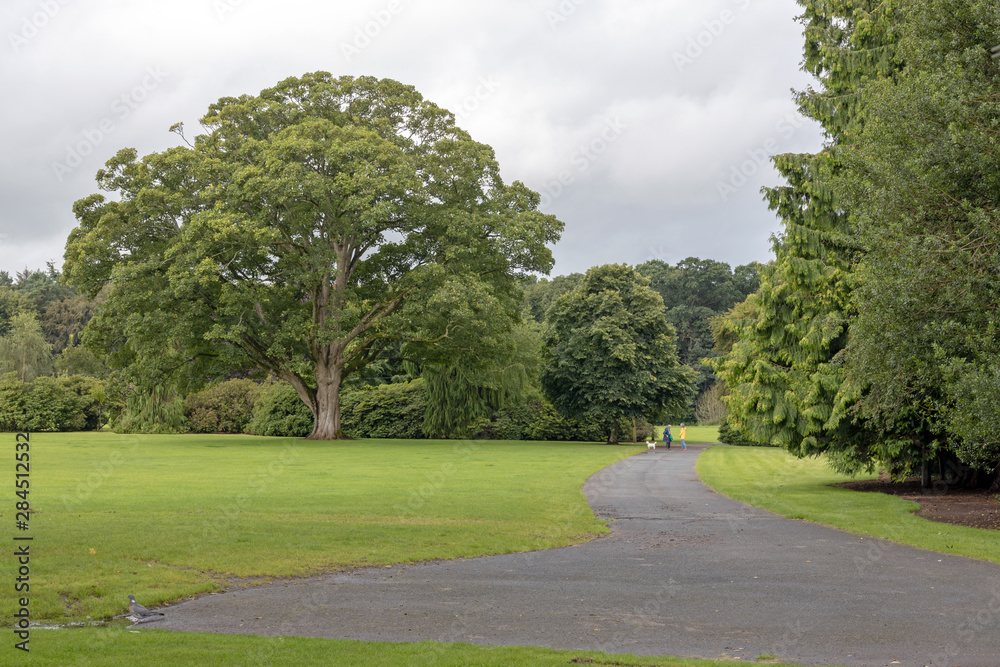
(685, 572)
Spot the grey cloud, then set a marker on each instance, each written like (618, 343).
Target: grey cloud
(554, 85)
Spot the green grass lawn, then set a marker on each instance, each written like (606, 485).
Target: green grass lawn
(165, 517)
(106, 646)
(772, 479)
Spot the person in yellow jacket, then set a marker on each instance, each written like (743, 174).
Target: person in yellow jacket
(682, 435)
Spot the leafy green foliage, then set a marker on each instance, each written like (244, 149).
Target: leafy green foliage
(24, 349)
(312, 228)
(922, 180)
(61, 310)
(50, 404)
(78, 359)
(468, 393)
(386, 411)
(610, 353)
(709, 409)
(785, 347)
(223, 408)
(11, 305)
(154, 411)
(730, 436)
(541, 293)
(280, 412)
(700, 283)
(694, 291)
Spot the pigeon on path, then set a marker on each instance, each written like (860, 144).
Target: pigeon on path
(140, 614)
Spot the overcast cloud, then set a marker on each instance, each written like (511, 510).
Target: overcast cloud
(645, 124)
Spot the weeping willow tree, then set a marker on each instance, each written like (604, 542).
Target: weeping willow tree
(472, 387)
(457, 397)
(24, 349)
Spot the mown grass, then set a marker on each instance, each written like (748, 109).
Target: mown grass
(166, 517)
(772, 479)
(105, 646)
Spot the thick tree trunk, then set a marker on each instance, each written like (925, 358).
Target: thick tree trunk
(327, 426)
(613, 436)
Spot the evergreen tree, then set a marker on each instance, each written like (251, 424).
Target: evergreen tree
(785, 370)
(922, 182)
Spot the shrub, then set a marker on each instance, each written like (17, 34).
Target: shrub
(157, 410)
(93, 397)
(50, 404)
(279, 411)
(13, 398)
(385, 411)
(227, 407)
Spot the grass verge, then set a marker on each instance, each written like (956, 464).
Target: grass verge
(166, 517)
(772, 479)
(105, 646)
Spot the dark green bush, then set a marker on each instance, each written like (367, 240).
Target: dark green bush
(93, 395)
(49, 404)
(227, 407)
(385, 411)
(279, 411)
(536, 419)
(13, 399)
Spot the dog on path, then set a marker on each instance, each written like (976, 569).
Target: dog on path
(650, 445)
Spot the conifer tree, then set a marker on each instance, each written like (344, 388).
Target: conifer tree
(785, 370)
(921, 180)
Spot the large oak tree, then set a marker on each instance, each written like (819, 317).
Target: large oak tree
(307, 230)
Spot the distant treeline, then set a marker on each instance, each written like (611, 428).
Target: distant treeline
(53, 382)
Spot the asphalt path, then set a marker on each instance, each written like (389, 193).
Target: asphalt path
(685, 572)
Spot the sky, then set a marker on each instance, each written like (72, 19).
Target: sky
(646, 125)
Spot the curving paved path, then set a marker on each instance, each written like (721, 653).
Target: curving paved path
(685, 572)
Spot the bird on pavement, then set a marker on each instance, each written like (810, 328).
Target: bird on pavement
(140, 614)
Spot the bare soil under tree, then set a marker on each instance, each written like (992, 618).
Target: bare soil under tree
(975, 508)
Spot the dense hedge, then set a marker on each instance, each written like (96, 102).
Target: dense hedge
(385, 411)
(536, 419)
(227, 407)
(279, 411)
(71, 403)
(78, 403)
